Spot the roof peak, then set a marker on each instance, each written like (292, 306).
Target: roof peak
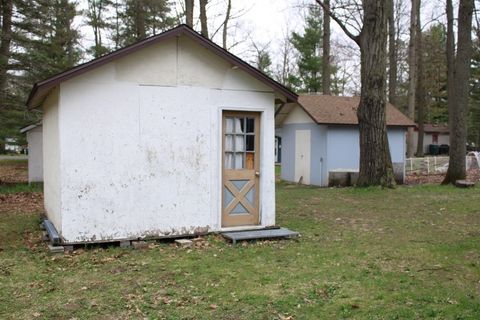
(42, 88)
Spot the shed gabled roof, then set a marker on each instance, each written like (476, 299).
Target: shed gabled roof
(42, 88)
(324, 109)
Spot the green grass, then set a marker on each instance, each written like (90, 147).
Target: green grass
(20, 187)
(407, 253)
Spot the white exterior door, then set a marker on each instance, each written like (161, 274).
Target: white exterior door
(302, 156)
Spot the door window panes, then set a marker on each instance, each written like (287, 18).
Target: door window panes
(239, 144)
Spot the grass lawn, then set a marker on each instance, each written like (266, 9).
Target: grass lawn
(408, 253)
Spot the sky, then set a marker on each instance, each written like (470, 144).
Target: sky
(265, 23)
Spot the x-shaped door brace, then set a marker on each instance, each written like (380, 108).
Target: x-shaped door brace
(239, 196)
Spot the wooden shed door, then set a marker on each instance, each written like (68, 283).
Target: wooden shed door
(241, 163)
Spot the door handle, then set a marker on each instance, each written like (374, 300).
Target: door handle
(257, 173)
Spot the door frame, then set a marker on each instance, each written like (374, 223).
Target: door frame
(218, 192)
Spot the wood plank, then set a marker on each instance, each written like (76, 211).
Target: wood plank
(235, 236)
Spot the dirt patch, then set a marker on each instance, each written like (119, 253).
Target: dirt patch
(13, 172)
(472, 175)
(24, 202)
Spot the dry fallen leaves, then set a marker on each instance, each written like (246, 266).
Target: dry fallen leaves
(24, 202)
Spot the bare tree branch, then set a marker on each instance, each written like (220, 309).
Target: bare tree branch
(338, 21)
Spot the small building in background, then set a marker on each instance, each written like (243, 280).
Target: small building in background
(436, 138)
(35, 151)
(320, 140)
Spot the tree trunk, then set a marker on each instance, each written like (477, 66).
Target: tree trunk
(375, 161)
(412, 71)
(189, 13)
(6, 39)
(326, 71)
(392, 55)
(225, 24)
(458, 87)
(203, 17)
(420, 91)
(140, 20)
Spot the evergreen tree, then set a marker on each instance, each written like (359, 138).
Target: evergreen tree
(474, 117)
(96, 18)
(44, 43)
(435, 74)
(309, 48)
(141, 19)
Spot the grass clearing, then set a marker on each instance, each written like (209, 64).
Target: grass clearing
(411, 252)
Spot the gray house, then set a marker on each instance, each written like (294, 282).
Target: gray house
(320, 139)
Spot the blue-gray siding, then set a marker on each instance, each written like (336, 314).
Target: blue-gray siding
(332, 147)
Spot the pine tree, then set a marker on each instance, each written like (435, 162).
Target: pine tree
(96, 18)
(309, 48)
(143, 18)
(44, 43)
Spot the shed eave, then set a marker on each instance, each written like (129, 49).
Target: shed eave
(42, 88)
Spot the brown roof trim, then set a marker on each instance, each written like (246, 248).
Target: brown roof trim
(46, 85)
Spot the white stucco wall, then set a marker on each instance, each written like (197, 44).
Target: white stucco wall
(141, 144)
(35, 154)
(51, 159)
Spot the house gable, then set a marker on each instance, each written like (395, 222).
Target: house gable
(297, 116)
(180, 39)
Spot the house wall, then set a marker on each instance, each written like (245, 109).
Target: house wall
(149, 161)
(333, 147)
(299, 120)
(443, 138)
(51, 159)
(343, 149)
(35, 154)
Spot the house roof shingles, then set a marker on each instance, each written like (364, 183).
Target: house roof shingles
(324, 109)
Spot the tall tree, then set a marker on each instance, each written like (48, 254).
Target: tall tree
(262, 61)
(308, 46)
(285, 66)
(457, 87)
(420, 90)
(435, 73)
(96, 19)
(189, 12)
(5, 42)
(138, 19)
(326, 72)
(203, 18)
(225, 24)
(412, 72)
(392, 55)
(375, 160)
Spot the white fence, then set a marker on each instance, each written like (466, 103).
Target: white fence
(426, 165)
(437, 165)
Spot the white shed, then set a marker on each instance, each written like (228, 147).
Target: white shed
(170, 136)
(436, 134)
(320, 140)
(35, 151)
